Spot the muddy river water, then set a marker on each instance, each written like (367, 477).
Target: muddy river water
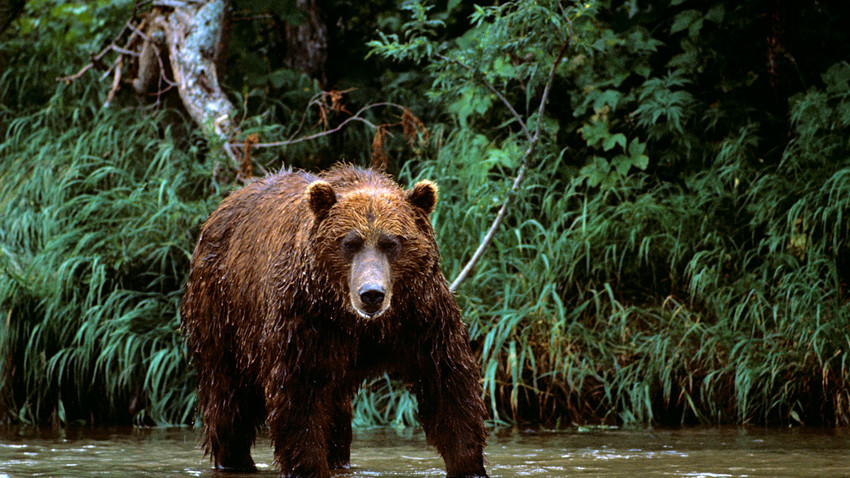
(382, 452)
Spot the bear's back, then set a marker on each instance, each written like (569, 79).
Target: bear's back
(346, 178)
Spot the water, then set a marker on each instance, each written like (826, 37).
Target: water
(712, 452)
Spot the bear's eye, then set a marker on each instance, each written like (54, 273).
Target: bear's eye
(390, 245)
(351, 243)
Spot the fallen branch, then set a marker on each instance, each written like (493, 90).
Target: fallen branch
(193, 38)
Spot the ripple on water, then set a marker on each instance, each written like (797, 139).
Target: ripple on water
(720, 452)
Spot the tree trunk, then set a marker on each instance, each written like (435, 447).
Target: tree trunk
(193, 33)
(307, 43)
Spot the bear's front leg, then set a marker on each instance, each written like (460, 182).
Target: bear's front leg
(299, 422)
(447, 382)
(452, 412)
(339, 436)
(232, 412)
(454, 425)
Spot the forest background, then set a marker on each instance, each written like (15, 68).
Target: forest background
(675, 178)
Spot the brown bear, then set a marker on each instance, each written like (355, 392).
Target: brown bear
(301, 287)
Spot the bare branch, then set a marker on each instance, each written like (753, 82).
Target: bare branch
(124, 51)
(70, 78)
(316, 135)
(533, 141)
(116, 81)
(493, 90)
(355, 117)
(316, 100)
(98, 59)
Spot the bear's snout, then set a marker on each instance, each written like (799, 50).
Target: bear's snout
(372, 295)
(370, 282)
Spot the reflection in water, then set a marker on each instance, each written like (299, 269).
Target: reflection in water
(712, 452)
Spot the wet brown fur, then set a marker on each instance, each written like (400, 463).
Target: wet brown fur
(274, 338)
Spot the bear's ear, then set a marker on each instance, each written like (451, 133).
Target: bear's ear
(320, 196)
(423, 195)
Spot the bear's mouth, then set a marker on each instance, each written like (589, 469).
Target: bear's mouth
(368, 315)
(370, 308)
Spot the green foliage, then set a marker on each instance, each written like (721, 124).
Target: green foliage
(48, 37)
(664, 262)
(97, 224)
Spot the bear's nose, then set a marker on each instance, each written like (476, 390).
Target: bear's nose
(372, 295)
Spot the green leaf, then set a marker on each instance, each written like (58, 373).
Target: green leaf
(594, 132)
(507, 156)
(716, 13)
(611, 141)
(280, 77)
(796, 417)
(837, 78)
(472, 100)
(641, 162)
(596, 172)
(643, 70)
(686, 20)
(606, 98)
(502, 67)
(622, 164)
(636, 148)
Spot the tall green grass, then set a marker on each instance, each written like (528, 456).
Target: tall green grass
(98, 215)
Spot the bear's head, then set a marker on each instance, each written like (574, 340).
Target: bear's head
(373, 241)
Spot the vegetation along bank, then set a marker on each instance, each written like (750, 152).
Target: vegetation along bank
(673, 180)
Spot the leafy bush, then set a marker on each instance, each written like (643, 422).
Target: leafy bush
(662, 262)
